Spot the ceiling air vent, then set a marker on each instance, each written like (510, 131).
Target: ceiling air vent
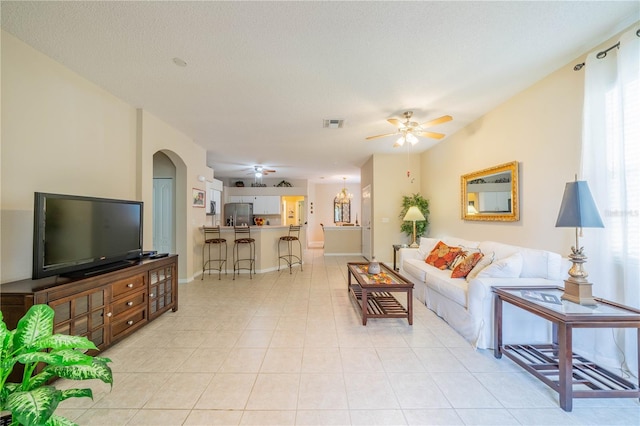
(332, 124)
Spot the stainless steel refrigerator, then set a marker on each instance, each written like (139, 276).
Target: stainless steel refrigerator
(238, 214)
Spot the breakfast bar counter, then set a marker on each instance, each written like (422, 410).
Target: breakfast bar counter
(342, 240)
(267, 238)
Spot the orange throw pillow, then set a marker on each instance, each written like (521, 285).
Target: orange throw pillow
(463, 268)
(442, 255)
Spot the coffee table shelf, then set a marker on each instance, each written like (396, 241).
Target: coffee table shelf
(375, 299)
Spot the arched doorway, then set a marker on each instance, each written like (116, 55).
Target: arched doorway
(168, 207)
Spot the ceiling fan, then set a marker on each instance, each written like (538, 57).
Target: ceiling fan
(260, 171)
(408, 130)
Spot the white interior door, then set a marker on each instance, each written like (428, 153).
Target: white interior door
(163, 215)
(366, 222)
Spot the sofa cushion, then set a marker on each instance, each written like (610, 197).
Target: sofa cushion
(416, 268)
(487, 259)
(469, 260)
(535, 263)
(508, 267)
(426, 245)
(459, 242)
(454, 289)
(442, 255)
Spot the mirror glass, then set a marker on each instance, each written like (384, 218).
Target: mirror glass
(341, 211)
(491, 194)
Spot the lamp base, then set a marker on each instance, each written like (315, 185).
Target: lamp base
(578, 290)
(414, 245)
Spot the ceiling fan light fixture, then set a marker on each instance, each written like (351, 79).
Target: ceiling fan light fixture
(258, 174)
(399, 142)
(411, 138)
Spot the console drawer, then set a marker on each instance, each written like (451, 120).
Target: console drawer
(128, 323)
(131, 301)
(128, 285)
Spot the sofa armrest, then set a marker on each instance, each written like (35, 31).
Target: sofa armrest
(406, 253)
(480, 301)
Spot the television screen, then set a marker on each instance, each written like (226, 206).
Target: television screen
(74, 233)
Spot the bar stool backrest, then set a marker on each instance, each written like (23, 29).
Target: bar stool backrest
(294, 231)
(212, 234)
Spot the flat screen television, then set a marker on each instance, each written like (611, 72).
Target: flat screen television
(81, 236)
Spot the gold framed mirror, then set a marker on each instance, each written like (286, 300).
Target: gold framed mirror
(491, 194)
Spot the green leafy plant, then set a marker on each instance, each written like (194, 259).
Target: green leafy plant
(422, 204)
(34, 400)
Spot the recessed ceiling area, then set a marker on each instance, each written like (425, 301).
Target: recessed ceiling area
(255, 80)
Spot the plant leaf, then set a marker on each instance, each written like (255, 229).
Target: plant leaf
(33, 407)
(64, 341)
(59, 421)
(96, 370)
(76, 393)
(71, 357)
(36, 324)
(46, 357)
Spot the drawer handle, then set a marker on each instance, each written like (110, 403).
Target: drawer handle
(129, 303)
(109, 314)
(129, 322)
(130, 285)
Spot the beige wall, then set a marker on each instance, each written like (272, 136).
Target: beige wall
(541, 129)
(389, 184)
(63, 134)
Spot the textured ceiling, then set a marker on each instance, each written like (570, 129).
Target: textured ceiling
(262, 76)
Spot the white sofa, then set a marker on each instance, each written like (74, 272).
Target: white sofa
(467, 304)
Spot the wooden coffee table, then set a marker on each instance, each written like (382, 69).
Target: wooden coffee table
(372, 293)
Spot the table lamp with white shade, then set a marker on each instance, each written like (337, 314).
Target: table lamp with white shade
(414, 214)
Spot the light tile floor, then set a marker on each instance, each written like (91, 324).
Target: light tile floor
(287, 349)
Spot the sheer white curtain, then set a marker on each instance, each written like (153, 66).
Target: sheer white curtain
(611, 165)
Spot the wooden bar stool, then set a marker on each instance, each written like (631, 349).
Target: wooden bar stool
(243, 237)
(289, 256)
(211, 238)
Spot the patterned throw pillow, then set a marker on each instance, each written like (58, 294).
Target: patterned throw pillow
(464, 253)
(442, 255)
(463, 268)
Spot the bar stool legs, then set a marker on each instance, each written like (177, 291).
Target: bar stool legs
(243, 237)
(289, 256)
(212, 237)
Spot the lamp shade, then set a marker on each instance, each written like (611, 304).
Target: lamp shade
(578, 210)
(413, 213)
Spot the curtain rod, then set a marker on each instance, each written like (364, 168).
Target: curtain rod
(602, 54)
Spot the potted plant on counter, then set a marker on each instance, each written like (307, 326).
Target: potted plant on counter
(34, 400)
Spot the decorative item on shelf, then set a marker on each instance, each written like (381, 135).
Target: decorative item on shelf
(374, 266)
(239, 184)
(578, 210)
(259, 221)
(343, 196)
(413, 215)
(284, 183)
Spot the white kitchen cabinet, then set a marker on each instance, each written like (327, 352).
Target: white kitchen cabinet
(266, 204)
(240, 199)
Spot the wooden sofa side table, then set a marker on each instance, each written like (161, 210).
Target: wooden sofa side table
(555, 364)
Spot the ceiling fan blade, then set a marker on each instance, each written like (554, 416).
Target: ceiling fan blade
(268, 171)
(396, 122)
(381, 136)
(432, 135)
(439, 120)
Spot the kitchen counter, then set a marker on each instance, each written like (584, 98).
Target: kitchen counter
(342, 240)
(267, 238)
